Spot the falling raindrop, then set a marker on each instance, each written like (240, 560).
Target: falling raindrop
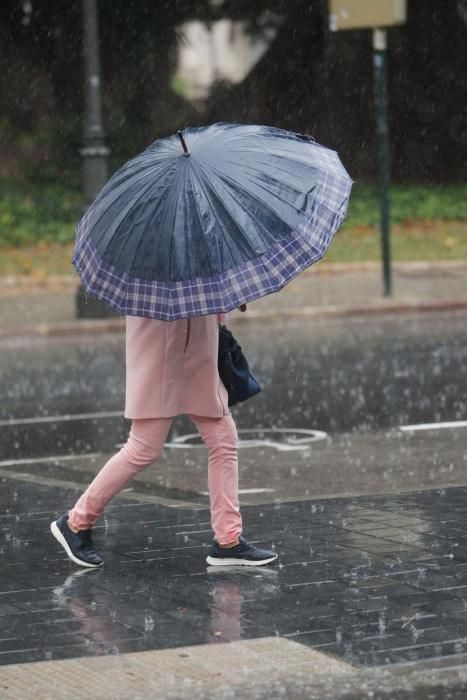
(148, 622)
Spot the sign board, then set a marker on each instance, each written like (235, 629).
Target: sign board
(361, 14)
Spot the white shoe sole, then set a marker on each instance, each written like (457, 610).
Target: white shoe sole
(59, 537)
(238, 562)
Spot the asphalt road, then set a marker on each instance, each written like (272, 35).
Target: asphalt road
(358, 382)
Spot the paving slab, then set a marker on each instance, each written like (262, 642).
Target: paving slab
(368, 593)
(174, 673)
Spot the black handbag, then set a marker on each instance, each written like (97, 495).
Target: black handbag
(234, 370)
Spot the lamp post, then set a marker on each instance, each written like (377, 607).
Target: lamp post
(95, 153)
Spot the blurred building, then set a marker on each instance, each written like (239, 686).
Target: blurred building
(221, 51)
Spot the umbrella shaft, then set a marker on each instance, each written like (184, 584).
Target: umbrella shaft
(188, 329)
(186, 152)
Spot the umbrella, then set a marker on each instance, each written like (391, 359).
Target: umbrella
(204, 222)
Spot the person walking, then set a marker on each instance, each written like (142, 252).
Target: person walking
(199, 223)
(171, 369)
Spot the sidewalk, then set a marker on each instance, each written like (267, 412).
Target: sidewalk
(366, 603)
(326, 289)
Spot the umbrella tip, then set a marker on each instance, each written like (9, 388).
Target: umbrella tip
(186, 152)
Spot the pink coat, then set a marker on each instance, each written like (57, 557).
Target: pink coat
(171, 368)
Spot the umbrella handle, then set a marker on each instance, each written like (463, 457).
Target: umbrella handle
(186, 152)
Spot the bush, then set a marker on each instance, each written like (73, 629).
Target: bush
(408, 203)
(49, 211)
(39, 212)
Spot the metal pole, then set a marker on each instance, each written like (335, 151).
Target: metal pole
(94, 151)
(379, 62)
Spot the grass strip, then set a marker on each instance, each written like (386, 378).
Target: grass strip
(430, 241)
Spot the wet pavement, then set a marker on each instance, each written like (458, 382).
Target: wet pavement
(358, 383)
(355, 374)
(371, 581)
(368, 518)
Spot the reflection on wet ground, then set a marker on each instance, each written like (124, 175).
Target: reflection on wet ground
(374, 580)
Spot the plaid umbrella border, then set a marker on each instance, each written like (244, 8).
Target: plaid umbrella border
(255, 278)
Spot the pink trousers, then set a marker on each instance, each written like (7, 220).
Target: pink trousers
(144, 445)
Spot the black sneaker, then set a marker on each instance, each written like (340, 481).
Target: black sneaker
(78, 545)
(243, 553)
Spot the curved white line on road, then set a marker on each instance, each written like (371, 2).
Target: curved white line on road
(433, 426)
(292, 444)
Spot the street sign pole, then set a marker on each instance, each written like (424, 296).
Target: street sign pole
(381, 101)
(361, 14)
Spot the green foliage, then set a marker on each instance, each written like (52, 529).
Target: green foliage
(178, 85)
(40, 212)
(49, 210)
(427, 241)
(408, 203)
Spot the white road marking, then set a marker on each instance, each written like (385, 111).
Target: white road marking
(290, 444)
(434, 426)
(242, 491)
(67, 484)
(59, 419)
(54, 458)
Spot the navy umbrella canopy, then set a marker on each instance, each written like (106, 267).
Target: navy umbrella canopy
(203, 223)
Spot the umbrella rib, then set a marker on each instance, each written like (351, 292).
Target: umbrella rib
(200, 217)
(285, 156)
(181, 171)
(276, 179)
(221, 228)
(226, 208)
(148, 223)
(133, 202)
(130, 205)
(266, 171)
(251, 194)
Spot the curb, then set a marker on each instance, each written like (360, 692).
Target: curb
(344, 311)
(17, 285)
(398, 266)
(103, 326)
